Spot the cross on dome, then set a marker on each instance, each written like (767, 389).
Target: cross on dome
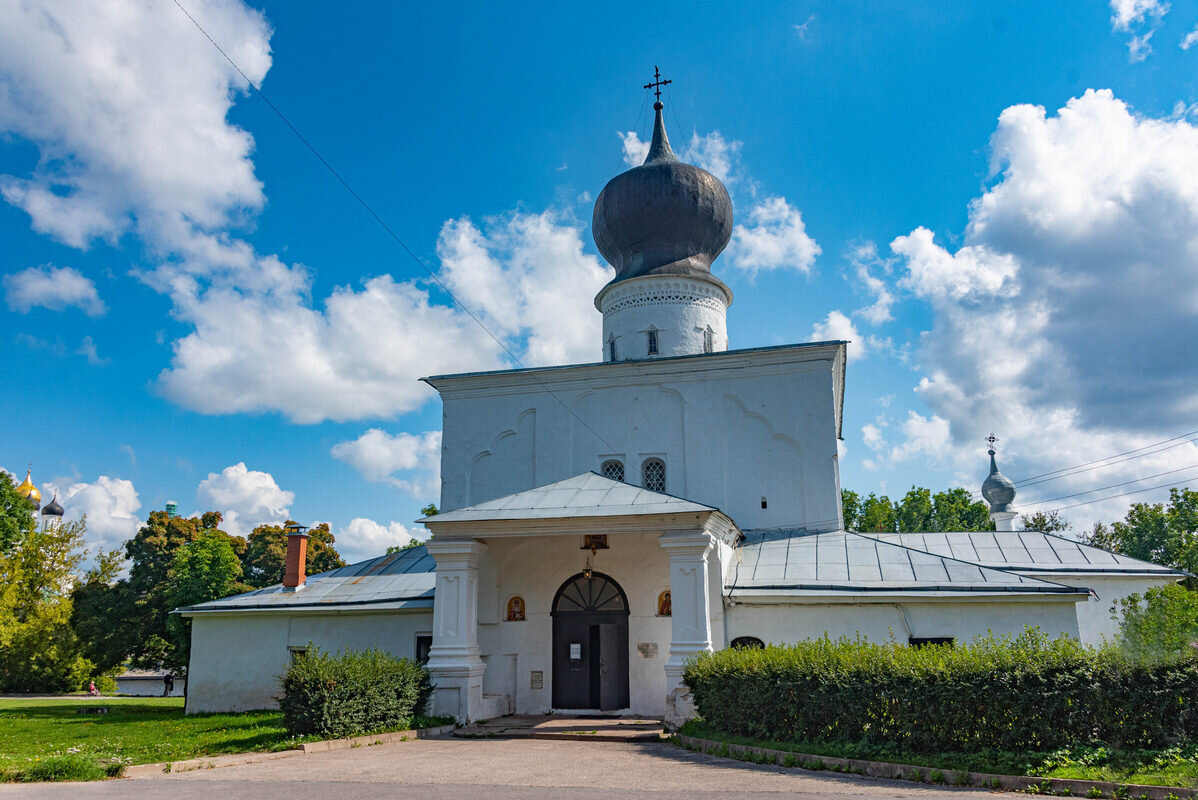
(656, 85)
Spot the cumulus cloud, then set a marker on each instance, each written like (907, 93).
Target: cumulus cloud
(110, 504)
(55, 288)
(527, 276)
(1189, 40)
(715, 154)
(364, 538)
(246, 498)
(1064, 320)
(865, 261)
(635, 151)
(774, 238)
(379, 456)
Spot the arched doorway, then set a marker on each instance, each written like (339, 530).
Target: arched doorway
(590, 644)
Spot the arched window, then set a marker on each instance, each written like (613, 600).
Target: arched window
(653, 474)
(749, 642)
(613, 469)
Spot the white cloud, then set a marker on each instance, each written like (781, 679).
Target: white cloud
(1126, 13)
(1140, 18)
(55, 288)
(246, 498)
(87, 349)
(775, 238)
(804, 30)
(1189, 40)
(927, 437)
(527, 276)
(865, 259)
(635, 151)
(378, 456)
(837, 326)
(872, 436)
(364, 538)
(715, 154)
(110, 504)
(127, 103)
(1064, 321)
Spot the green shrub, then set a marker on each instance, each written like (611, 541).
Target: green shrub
(351, 694)
(1027, 693)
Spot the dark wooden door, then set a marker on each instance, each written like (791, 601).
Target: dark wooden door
(590, 644)
(610, 697)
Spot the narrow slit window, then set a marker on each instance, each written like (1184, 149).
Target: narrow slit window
(613, 469)
(653, 474)
(611, 349)
(708, 340)
(652, 343)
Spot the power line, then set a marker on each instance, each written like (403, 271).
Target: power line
(1111, 464)
(1117, 485)
(1170, 484)
(384, 225)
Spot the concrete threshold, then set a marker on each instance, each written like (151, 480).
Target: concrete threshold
(569, 728)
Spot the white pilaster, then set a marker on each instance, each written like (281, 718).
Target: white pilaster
(454, 661)
(1004, 520)
(691, 614)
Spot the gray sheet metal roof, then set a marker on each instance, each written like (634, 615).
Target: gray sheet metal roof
(396, 580)
(796, 562)
(585, 495)
(1025, 551)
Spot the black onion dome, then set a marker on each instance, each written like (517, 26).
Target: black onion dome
(998, 489)
(53, 508)
(663, 217)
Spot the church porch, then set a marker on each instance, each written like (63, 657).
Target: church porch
(538, 611)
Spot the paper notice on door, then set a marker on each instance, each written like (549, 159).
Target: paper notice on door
(575, 650)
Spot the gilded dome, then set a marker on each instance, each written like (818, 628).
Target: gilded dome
(663, 217)
(29, 491)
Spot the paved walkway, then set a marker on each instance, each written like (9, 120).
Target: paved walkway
(499, 769)
(595, 729)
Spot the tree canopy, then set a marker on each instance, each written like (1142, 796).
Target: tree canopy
(919, 510)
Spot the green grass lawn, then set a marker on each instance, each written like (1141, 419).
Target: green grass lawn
(136, 730)
(1173, 767)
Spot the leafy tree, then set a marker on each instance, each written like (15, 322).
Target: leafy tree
(204, 569)
(878, 515)
(430, 510)
(16, 514)
(1161, 623)
(1159, 532)
(915, 511)
(265, 557)
(39, 651)
(1045, 522)
(102, 611)
(919, 510)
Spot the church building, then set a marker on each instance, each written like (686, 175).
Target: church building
(604, 522)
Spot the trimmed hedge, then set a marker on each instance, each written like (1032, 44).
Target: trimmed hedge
(353, 693)
(1025, 693)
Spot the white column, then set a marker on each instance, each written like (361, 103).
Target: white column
(691, 614)
(1004, 520)
(454, 661)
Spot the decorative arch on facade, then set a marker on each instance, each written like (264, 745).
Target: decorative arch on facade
(748, 642)
(596, 592)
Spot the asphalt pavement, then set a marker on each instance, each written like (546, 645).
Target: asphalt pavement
(499, 769)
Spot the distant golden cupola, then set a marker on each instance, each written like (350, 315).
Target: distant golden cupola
(29, 491)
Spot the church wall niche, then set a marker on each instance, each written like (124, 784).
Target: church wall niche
(761, 463)
(507, 465)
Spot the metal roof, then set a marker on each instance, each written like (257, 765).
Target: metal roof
(798, 562)
(396, 580)
(586, 495)
(1025, 551)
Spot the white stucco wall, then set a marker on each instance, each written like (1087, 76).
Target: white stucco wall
(236, 658)
(732, 429)
(1094, 620)
(877, 622)
(680, 309)
(534, 568)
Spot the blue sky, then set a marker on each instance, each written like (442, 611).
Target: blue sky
(996, 202)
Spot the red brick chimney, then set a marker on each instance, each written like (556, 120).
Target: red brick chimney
(297, 554)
